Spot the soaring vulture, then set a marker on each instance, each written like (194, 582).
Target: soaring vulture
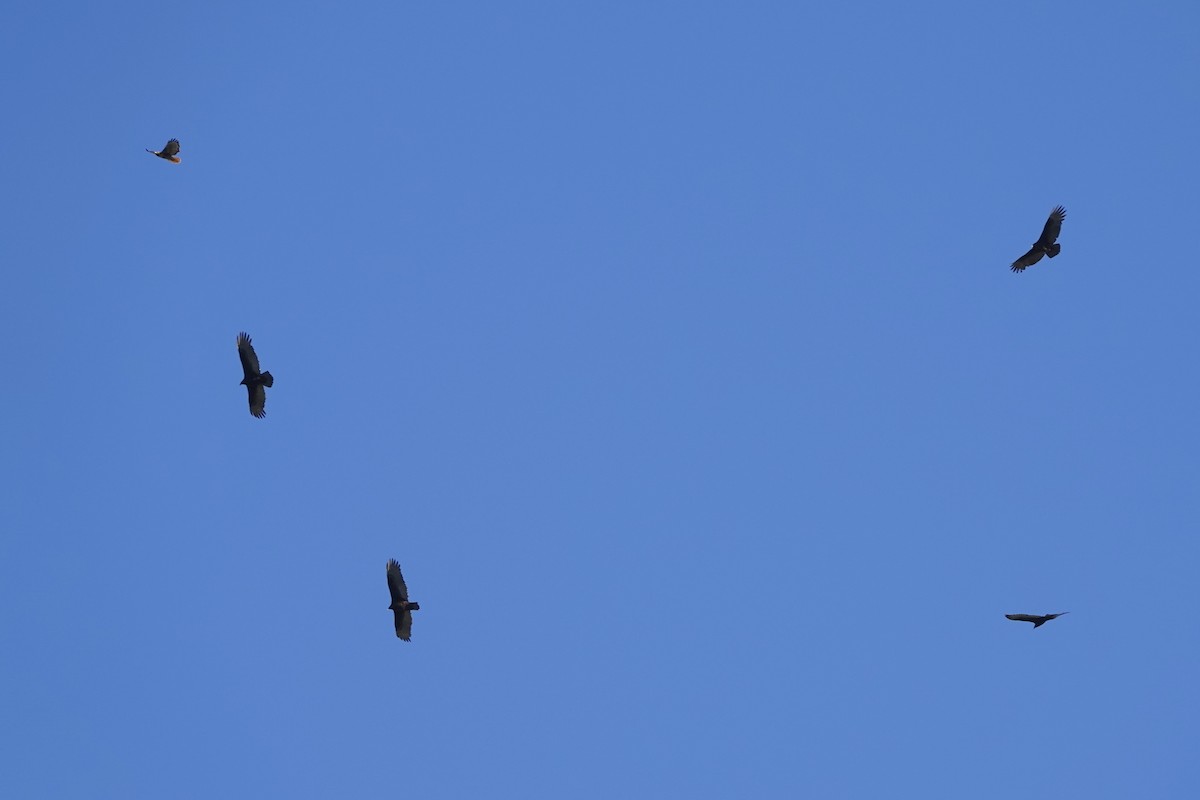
(170, 152)
(400, 603)
(1045, 245)
(255, 380)
(1037, 621)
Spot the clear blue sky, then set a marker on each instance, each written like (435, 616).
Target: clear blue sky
(672, 349)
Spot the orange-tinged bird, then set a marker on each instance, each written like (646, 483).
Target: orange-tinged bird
(170, 152)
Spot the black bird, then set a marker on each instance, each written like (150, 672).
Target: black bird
(255, 381)
(1045, 245)
(400, 603)
(1034, 618)
(170, 152)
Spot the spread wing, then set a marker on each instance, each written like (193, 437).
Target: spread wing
(171, 148)
(1024, 617)
(258, 400)
(1027, 260)
(397, 587)
(1053, 227)
(248, 356)
(404, 624)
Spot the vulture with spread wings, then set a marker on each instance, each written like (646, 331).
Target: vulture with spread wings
(1037, 620)
(170, 151)
(256, 381)
(401, 605)
(1045, 245)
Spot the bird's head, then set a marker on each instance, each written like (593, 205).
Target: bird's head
(243, 383)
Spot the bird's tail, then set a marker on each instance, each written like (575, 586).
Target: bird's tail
(414, 606)
(1053, 249)
(268, 380)
(177, 159)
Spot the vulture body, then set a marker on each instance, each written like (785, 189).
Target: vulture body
(170, 151)
(255, 381)
(1046, 244)
(1037, 620)
(401, 606)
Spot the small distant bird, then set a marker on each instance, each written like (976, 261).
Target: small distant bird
(255, 381)
(1045, 245)
(1034, 618)
(400, 603)
(170, 152)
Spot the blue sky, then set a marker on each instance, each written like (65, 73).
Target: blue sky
(671, 347)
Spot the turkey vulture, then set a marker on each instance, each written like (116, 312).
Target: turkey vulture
(169, 152)
(1034, 618)
(255, 381)
(400, 603)
(1045, 245)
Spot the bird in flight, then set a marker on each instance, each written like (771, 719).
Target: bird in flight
(170, 151)
(401, 605)
(1037, 621)
(256, 382)
(1045, 245)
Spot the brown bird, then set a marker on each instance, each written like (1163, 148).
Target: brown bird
(170, 152)
(256, 382)
(401, 605)
(1045, 245)
(1034, 618)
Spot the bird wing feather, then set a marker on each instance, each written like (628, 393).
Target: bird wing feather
(404, 624)
(258, 400)
(1053, 227)
(248, 356)
(395, 581)
(1027, 260)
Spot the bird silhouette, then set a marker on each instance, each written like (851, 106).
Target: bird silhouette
(256, 381)
(170, 151)
(401, 606)
(1045, 245)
